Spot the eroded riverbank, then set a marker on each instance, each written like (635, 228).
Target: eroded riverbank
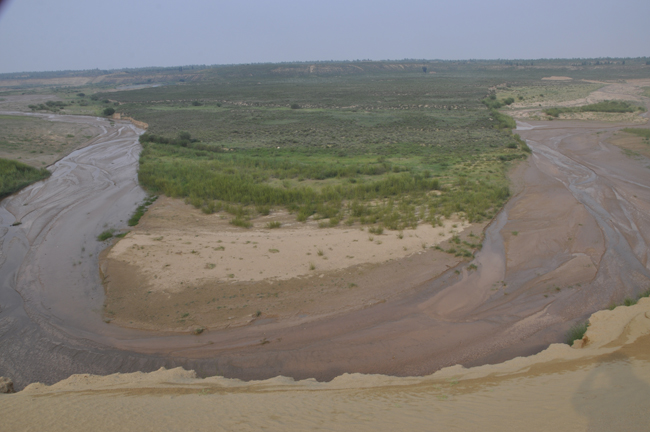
(601, 386)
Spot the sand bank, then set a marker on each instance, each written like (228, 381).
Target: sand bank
(602, 386)
(220, 275)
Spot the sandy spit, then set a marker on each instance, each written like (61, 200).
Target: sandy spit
(600, 384)
(200, 247)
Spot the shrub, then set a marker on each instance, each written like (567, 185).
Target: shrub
(109, 111)
(577, 332)
(379, 230)
(553, 112)
(15, 175)
(295, 106)
(105, 235)
(243, 223)
(629, 301)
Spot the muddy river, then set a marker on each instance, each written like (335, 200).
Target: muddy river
(572, 240)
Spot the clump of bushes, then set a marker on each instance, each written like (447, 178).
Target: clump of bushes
(605, 106)
(105, 235)
(241, 222)
(15, 175)
(576, 332)
(183, 139)
(53, 106)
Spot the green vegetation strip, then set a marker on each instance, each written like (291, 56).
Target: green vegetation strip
(389, 148)
(644, 133)
(140, 211)
(16, 175)
(605, 106)
(577, 332)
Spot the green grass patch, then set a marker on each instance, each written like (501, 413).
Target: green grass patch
(105, 235)
(644, 133)
(140, 211)
(576, 332)
(629, 301)
(16, 175)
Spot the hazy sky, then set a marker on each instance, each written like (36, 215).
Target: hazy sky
(38, 35)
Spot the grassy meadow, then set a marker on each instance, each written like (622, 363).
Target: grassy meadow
(388, 148)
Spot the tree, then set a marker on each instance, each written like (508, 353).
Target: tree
(109, 111)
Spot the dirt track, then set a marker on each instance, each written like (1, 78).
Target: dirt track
(572, 241)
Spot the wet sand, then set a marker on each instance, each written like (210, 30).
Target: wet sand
(601, 386)
(573, 240)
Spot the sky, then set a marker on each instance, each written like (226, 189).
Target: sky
(46, 35)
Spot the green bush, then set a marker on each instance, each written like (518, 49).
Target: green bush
(243, 223)
(109, 111)
(576, 332)
(105, 235)
(16, 175)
